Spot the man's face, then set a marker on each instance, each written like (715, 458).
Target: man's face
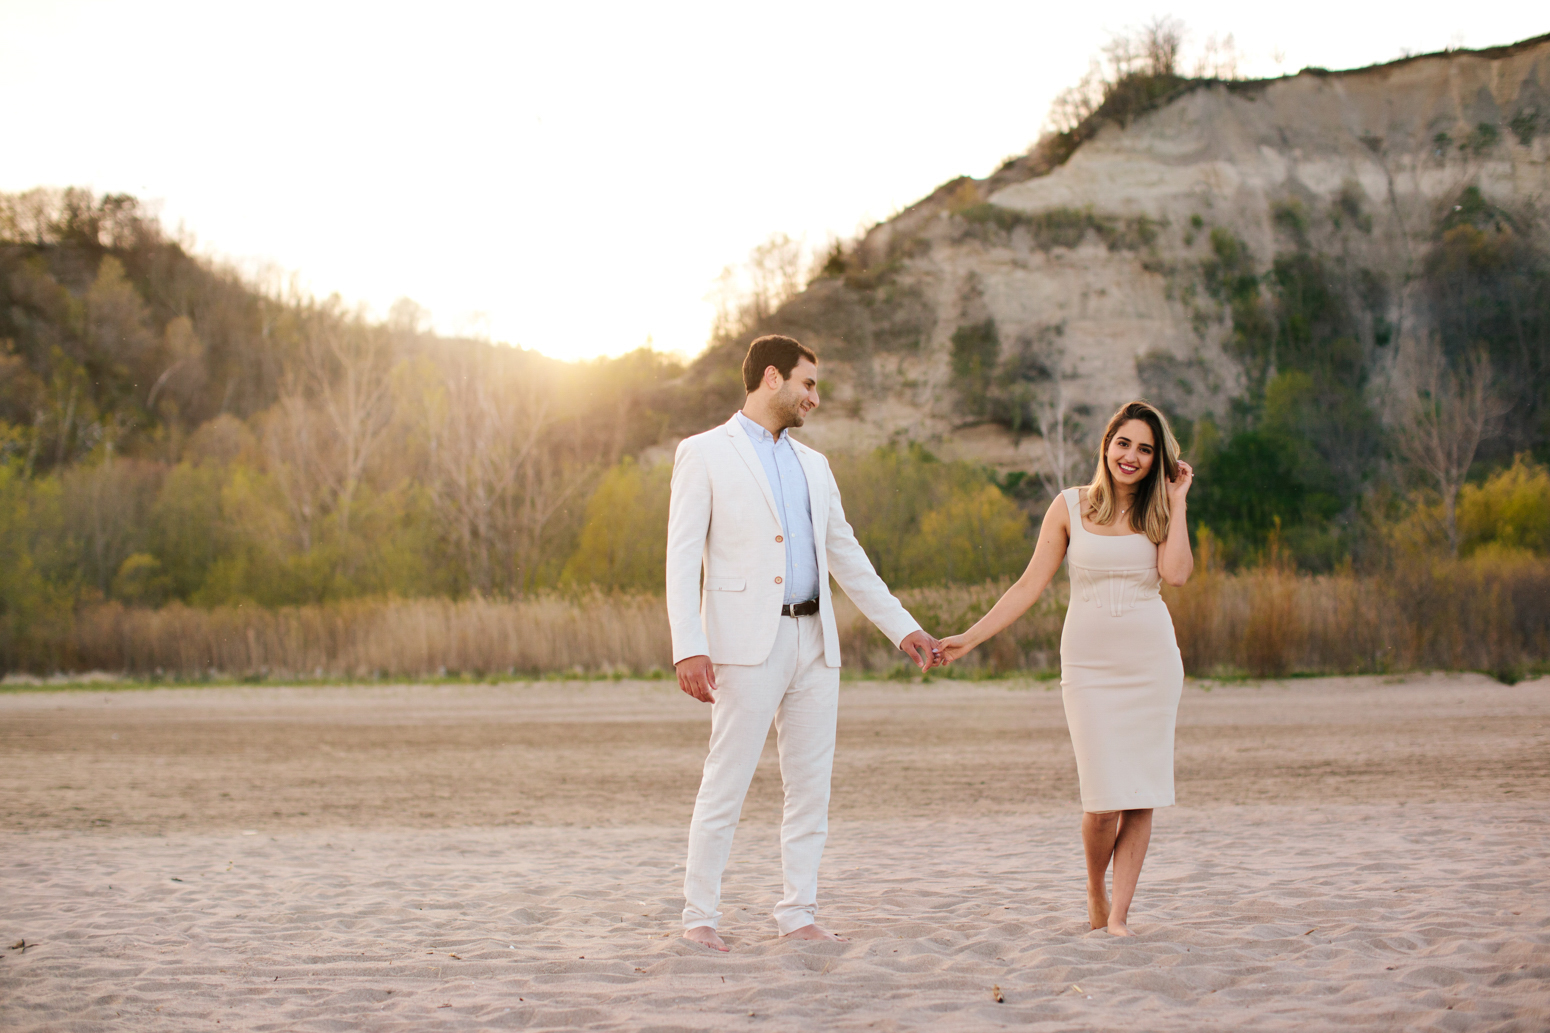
(798, 396)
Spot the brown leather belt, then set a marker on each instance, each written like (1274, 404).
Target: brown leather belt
(806, 609)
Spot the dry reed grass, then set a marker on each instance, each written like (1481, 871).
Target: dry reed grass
(388, 637)
(589, 634)
(1484, 614)
(1032, 643)
(1489, 613)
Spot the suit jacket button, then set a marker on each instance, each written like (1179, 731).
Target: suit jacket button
(779, 538)
(777, 581)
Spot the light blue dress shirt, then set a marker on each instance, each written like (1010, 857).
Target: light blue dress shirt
(789, 482)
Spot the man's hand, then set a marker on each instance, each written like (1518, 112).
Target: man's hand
(697, 677)
(922, 648)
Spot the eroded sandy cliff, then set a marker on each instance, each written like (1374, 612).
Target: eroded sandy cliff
(1039, 298)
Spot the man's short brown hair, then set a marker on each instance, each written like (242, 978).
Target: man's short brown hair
(774, 350)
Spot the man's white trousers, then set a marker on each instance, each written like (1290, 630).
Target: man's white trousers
(800, 693)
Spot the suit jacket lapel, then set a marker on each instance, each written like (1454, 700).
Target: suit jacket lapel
(745, 449)
(817, 492)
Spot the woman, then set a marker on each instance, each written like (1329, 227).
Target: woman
(1120, 671)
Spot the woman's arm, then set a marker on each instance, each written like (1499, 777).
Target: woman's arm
(1054, 535)
(1175, 561)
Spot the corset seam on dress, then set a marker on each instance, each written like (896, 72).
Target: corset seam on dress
(1123, 594)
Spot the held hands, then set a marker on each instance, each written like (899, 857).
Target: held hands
(925, 650)
(955, 647)
(1179, 486)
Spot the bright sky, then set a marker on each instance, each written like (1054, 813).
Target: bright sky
(573, 177)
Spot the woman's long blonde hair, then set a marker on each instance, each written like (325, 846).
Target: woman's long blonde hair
(1149, 511)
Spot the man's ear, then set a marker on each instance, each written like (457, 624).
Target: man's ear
(772, 378)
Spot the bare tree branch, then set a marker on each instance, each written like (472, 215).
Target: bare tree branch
(484, 414)
(776, 271)
(335, 405)
(1440, 416)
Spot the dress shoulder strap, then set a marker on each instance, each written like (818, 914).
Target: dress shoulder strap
(1074, 507)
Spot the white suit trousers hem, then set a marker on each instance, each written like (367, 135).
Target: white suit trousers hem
(797, 690)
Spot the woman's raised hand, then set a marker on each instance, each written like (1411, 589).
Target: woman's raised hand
(1179, 486)
(954, 647)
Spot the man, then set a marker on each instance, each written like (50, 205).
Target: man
(762, 514)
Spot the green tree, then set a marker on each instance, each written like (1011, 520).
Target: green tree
(1249, 486)
(623, 542)
(34, 614)
(923, 521)
(975, 535)
(106, 508)
(885, 494)
(187, 533)
(1487, 284)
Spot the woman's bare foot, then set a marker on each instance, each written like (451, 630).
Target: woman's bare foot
(705, 936)
(812, 932)
(1118, 928)
(1097, 908)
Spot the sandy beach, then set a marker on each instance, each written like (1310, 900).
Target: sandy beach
(1360, 853)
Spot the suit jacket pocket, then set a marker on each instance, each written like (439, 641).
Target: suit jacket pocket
(725, 584)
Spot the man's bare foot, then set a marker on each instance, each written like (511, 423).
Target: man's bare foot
(1097, 908)
(812, 932)
(1118, 928)
(705, 936)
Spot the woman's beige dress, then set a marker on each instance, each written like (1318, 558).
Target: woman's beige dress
(1120, 671)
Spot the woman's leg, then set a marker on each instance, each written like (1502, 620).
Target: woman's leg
(1135, 832)
(1098, 834)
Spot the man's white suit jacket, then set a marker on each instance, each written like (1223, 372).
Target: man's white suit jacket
(723, 516)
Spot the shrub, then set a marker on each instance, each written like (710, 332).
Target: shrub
(923, 521)
(1510, 510)
(623, 543)
(974, 536)
(1524, 125)
(975, 355)
(1062, 227)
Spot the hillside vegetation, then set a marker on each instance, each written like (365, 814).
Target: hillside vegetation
(1337, 285)
(201, 473)
(172, 434)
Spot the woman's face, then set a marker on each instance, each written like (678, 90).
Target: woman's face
(1131, 453)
